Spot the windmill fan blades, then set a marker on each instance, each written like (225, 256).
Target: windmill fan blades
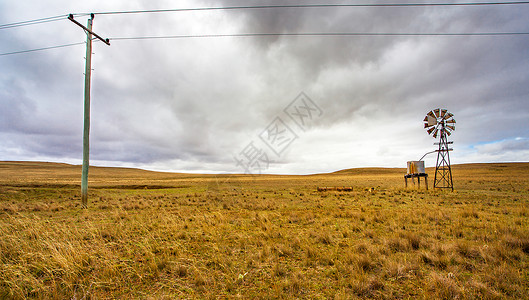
(431, 121)
(439, 122)
(431, 114)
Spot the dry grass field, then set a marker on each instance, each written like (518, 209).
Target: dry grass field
(163, 236)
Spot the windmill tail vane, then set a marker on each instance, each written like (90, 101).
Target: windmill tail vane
(441, 123)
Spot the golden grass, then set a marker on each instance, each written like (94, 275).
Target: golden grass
(161, 235)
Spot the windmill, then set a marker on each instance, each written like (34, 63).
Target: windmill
(439, 122)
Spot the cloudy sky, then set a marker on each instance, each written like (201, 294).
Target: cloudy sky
(270, 104)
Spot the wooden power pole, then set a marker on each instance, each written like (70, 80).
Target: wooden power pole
(86, 130)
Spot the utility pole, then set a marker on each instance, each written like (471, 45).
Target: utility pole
(86, 130)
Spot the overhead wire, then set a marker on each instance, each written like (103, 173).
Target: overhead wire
(311, 6)
(41, 49)
(290, 34)
(323, 34)
(33, 22)
(336, 34)
(60, 17)
(40, 21)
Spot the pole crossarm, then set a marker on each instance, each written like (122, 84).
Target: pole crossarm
(106, 41)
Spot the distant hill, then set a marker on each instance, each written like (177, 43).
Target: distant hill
(34, 168)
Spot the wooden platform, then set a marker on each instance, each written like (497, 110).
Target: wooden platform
(418, 176)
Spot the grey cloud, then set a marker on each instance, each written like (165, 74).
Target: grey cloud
(189, 103)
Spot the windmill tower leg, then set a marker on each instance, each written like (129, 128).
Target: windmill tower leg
(437, 165)
(443, 170)
(450, 183)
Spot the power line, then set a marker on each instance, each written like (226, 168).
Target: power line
(336, 34)
(311, 6)
(322, 34)
(33, 22)
(38, 21)
(42, 49)
(60, 17)
(292, 34)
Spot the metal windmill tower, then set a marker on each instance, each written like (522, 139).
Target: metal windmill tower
(439, 122)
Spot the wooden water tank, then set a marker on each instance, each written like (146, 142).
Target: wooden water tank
(416, 167)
